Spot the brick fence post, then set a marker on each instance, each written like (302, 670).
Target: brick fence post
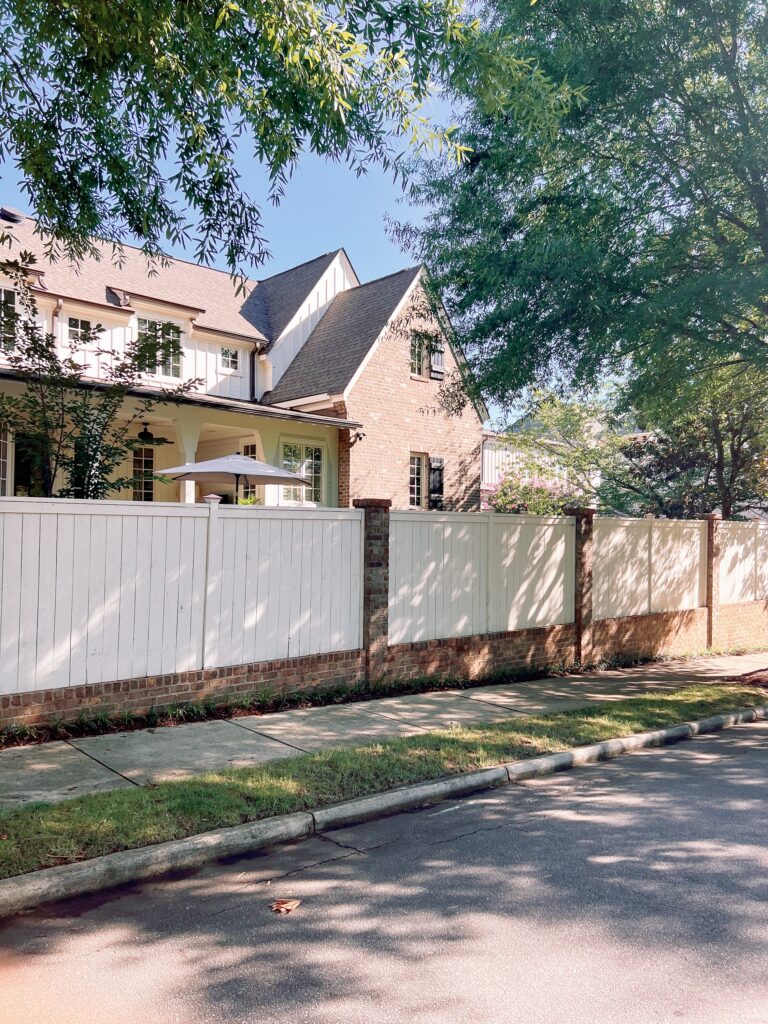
(375, 583)
(585, 518)
(714, 521)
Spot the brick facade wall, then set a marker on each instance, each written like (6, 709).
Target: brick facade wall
(308, 673)
(474, 657)
(643, 635)
(402, 414)
(742, 625)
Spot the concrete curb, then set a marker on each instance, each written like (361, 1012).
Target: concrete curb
(24, 892)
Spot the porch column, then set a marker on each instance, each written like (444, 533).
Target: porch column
(187, 435)
(375, 583)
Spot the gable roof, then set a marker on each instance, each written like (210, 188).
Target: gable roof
(274, 302)
(260, 313)
(328, 360)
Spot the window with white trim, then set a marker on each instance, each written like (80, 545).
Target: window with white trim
(250, 491)
(5, 461)
(307, 460)
(78, 331)
(143, 474)
(416, 489)
(168, 339)
(230, 359)
(7, 318)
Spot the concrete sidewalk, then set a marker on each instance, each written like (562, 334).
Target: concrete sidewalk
(65, 769)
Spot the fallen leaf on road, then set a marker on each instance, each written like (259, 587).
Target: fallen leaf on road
(284, 906)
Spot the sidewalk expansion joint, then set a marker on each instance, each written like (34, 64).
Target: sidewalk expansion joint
(109, 768)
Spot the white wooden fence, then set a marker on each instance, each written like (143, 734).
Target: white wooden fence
(743, 562)
(648, 565)
(456, 574)
(98, 591)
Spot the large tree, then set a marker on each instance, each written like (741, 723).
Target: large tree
(677, 446)
(640, 225)
(134, 119)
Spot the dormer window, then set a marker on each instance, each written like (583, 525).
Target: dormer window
(168, 338)
(7, 318)
(230, 359)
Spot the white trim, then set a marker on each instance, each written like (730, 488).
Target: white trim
(325, 481)
(395, 312)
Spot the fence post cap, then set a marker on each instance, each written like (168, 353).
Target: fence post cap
(585, 511)
(372, 503)
(212, 499)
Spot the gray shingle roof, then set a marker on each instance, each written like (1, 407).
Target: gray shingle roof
(274, 302)
(341, 340)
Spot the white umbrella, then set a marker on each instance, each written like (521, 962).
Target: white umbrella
(239, 467)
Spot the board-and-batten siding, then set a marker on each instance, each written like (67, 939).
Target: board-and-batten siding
(98, 591)
(458, 575)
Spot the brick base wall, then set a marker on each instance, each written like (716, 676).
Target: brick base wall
(474, 657)
(741, 625)
(43, 707)
(642, 635)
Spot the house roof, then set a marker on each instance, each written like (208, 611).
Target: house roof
(273, 304)
(328, 360)
(260, 314)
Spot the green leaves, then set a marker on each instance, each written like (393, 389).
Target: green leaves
(638, 223)
(138, 129)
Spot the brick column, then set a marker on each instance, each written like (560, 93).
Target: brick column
(375, 583)
(714, 519)
(583, 582)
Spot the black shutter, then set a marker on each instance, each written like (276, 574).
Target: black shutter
(437, 361)
(435, 483)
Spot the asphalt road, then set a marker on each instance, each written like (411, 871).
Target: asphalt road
(632, 891)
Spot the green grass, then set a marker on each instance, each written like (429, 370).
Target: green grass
(42, 835)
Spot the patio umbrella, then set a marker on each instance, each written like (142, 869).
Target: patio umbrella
(238, 467)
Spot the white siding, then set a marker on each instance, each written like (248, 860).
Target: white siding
(648, 565)
(283, 584)
(456, 574)
(743, 562)
(337, 278)
(96, 591)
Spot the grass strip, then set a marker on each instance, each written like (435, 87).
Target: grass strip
(44, 835)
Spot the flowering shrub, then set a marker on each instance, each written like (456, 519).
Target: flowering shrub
(532, 496)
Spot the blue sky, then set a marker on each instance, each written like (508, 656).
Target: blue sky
(325, 206)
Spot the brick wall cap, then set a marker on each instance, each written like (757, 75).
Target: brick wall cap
(372, 502)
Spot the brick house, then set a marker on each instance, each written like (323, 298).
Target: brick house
(368, 360)
(308, 369)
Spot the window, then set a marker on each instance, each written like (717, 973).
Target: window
(79, 331)
(418, 356)
(307, 461)
(143, 474)
(230, 359)
(7, 318)
(167, 337)
(436, 466)
(416, 481)
(5, 462)
(250, 491)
